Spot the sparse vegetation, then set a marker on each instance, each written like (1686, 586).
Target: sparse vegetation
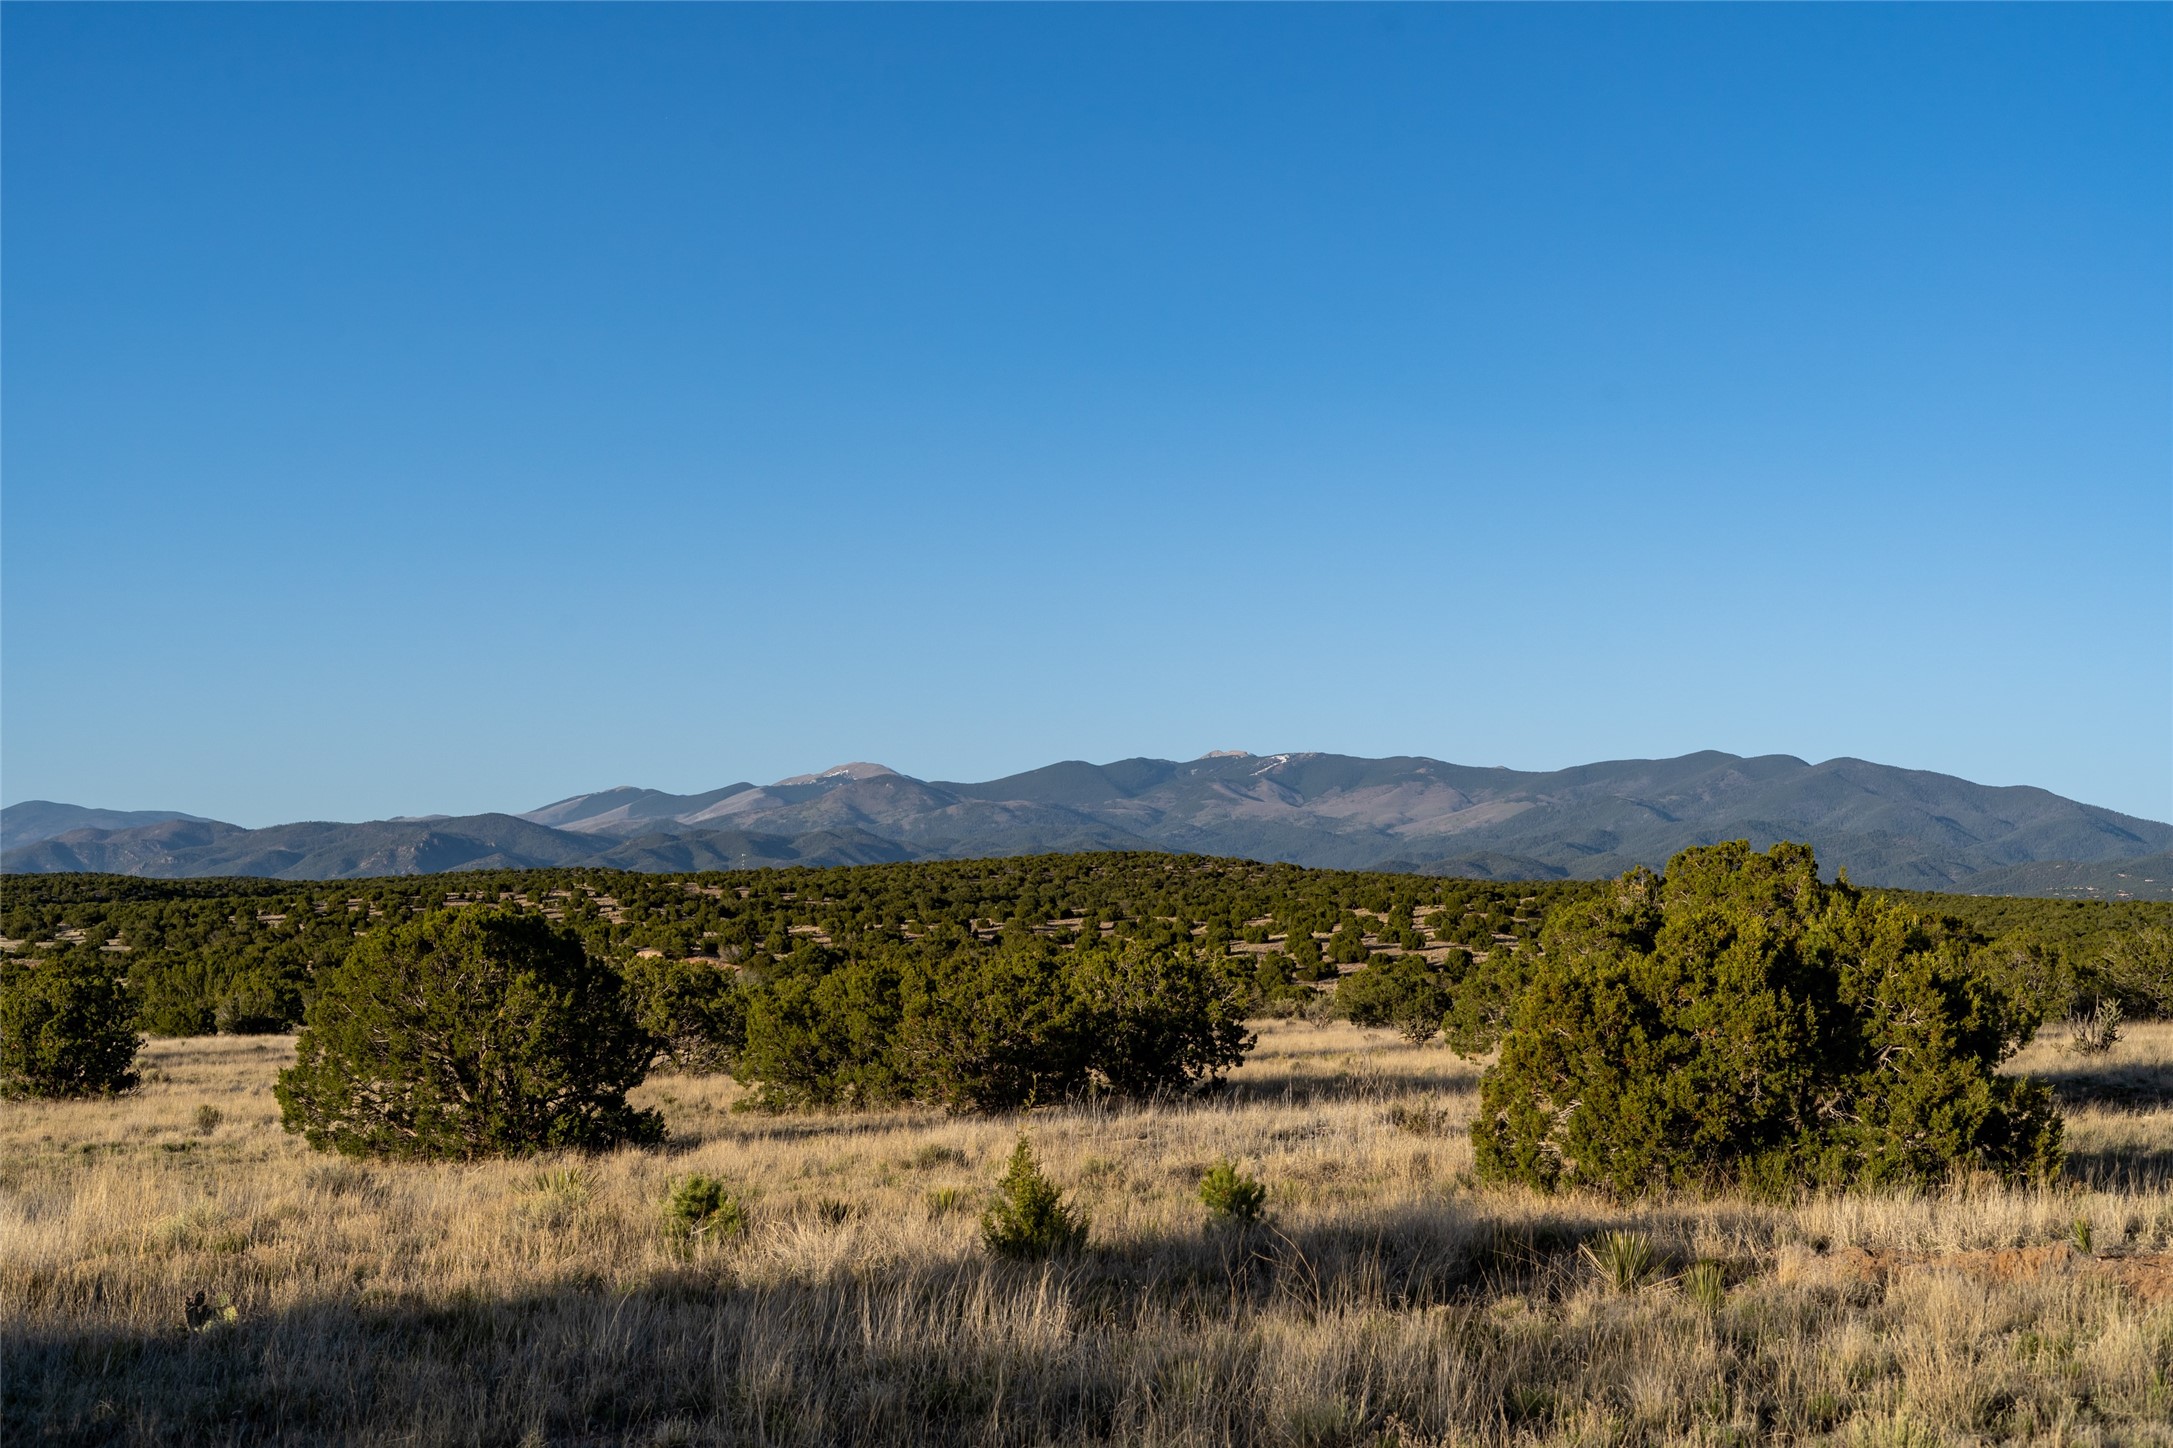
(2097, 1030)
(480, 1315)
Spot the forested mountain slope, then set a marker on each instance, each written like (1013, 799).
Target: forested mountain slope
(1885, 825)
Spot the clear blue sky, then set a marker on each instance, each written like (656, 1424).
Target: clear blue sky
(422, 408)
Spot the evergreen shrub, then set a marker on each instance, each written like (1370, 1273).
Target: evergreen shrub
(468, 1033)
(693, 1007)
(1404, 993)
(1740, 1023)
(1029, 1217)
(1232, 1197)
(67, 1026)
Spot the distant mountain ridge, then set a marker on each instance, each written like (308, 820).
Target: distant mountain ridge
(41, 819)
(1886, 826)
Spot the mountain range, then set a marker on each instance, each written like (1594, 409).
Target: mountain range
(1886, 826)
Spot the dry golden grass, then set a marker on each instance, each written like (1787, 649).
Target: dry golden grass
(1389, 1302)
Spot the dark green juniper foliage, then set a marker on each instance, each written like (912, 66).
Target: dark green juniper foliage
(702, 1207)
(67, 1026)
(694, 1007)
(974, 1027)
(998, 1033)
(1740, 1023)
(1232, 1197)
(1162, 1019)
(1029, 1217)
(465, 1034)
(245, 954)
(1404, 993)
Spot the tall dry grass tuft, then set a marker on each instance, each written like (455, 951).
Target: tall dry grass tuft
(1385, 1301)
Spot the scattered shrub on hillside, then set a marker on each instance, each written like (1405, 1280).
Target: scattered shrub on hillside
(1265, 985)
(1347, 946)
(1403, 993)
(693, 1007)
(67, 1026)
(466, 1034)
(2096, 1031)
(1232, 1197)
(1029, 1217)
(1738, 1022)
(208, 1118)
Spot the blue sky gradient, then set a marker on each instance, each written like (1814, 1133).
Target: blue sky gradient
(454, 408)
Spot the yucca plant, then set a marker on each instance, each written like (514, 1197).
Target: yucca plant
(1706, 1286)
(1624, 1260)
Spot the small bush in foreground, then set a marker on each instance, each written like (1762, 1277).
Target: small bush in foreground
(2096, 1032)
(468, 1034)
(1232, 1197)
(1624, 1260)
(699, 1207)
(1739, 1023)
(1029, 1217)
(1706, 1285)
(67, 1027)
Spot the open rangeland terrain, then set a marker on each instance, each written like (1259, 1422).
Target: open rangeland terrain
(1386, 1300)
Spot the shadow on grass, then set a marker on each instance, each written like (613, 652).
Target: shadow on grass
(2123, 1170)
(2111, 1084)
(1299, 1089)
(935, 1351)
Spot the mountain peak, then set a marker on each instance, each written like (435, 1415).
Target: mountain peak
(1227, 754)
(858, 769)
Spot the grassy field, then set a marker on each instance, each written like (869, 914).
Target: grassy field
(1389, 1302)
